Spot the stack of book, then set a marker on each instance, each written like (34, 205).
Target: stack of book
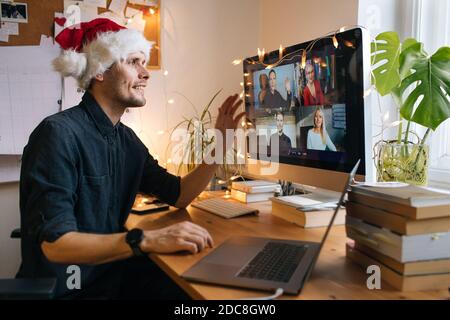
(405, 231)
(305, 212)
(254, 190)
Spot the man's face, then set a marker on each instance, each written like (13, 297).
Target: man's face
(280, 123)
(127, 80)
(272, 81)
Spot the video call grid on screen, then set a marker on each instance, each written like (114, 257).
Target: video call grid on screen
(315, 112)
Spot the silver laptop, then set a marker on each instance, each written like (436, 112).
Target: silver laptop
(261, 263)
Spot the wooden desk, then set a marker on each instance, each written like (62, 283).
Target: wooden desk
(334, 276)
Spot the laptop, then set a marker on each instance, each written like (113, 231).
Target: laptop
(263, 263)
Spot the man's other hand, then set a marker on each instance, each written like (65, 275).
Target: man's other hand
(183, 236)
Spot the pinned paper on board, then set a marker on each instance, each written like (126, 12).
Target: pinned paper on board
(76, 12)
(149, 3)
(118, 6)
(96, 3)
(12, 28)
(4, 37)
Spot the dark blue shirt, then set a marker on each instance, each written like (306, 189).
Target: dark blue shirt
(81, 173)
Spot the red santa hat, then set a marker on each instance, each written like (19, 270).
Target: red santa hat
(90, 48)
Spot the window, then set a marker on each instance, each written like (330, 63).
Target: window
(431, 25)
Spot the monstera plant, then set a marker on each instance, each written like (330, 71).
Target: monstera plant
(420, 85)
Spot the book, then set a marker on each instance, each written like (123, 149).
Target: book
(408, 268)
(306, 219)
(416, 213)
(250, 197)
(409, 195)
(256, 186)
(403, 248)
(400, 282)
(396, 223)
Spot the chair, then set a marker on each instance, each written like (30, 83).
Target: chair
(26, 289)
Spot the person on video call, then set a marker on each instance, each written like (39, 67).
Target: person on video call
(263, 84)
(82, 168)
(312, 94)
(273, 99)
(284, 142)
(318, 138)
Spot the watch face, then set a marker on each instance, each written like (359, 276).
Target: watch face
(134, 236)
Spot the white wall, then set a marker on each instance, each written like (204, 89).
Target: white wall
(288, 22)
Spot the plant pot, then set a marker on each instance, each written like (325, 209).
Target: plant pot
(402, 162)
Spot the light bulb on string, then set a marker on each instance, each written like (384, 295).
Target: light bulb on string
(304, 59)
(280, 52)
(335, 42)
(236, 62)
(261, 54)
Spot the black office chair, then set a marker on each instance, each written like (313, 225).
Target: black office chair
(26, 289)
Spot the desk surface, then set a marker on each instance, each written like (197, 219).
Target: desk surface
(334, 276)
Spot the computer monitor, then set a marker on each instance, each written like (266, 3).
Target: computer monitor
(306, 111)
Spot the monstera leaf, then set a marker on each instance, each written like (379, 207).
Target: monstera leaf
(386, 50)
(431, 76)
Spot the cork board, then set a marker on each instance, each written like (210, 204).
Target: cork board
(40, 22)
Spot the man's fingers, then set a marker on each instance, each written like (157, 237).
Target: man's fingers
(188, 246)
(201, 232)
(235, 106)
(198, 240)
(238, 118)
(229, 103)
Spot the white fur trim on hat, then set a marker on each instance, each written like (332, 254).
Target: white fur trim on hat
(98, 55)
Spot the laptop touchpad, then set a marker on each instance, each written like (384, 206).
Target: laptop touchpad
(232, 255)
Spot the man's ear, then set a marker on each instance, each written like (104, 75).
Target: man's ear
(99, 77)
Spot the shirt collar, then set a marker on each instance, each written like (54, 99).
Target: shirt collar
(101, 120)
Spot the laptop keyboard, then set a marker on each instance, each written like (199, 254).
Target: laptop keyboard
(275, 262)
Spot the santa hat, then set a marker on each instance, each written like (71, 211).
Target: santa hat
(90, 48)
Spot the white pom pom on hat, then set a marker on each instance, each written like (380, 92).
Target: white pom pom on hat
(90, 48)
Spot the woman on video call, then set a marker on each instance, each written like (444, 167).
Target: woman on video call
(318, 137)
(263, 84)
(312, 94)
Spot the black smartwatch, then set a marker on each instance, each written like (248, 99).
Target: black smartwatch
(134, 238)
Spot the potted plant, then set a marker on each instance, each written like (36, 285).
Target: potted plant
(420, 86)
(198, 144)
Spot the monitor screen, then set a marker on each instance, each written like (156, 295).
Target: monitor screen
(308, 109)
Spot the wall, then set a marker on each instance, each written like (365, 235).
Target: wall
(289, 22)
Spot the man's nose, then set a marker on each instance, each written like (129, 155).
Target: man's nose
(144, 74)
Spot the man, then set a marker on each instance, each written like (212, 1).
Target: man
(82, 168)
(273, 99)
(279, 138)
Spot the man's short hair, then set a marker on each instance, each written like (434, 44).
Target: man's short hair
(279, 113)
(272, 71)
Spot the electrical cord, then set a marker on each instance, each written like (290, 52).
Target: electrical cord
(277, 293)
